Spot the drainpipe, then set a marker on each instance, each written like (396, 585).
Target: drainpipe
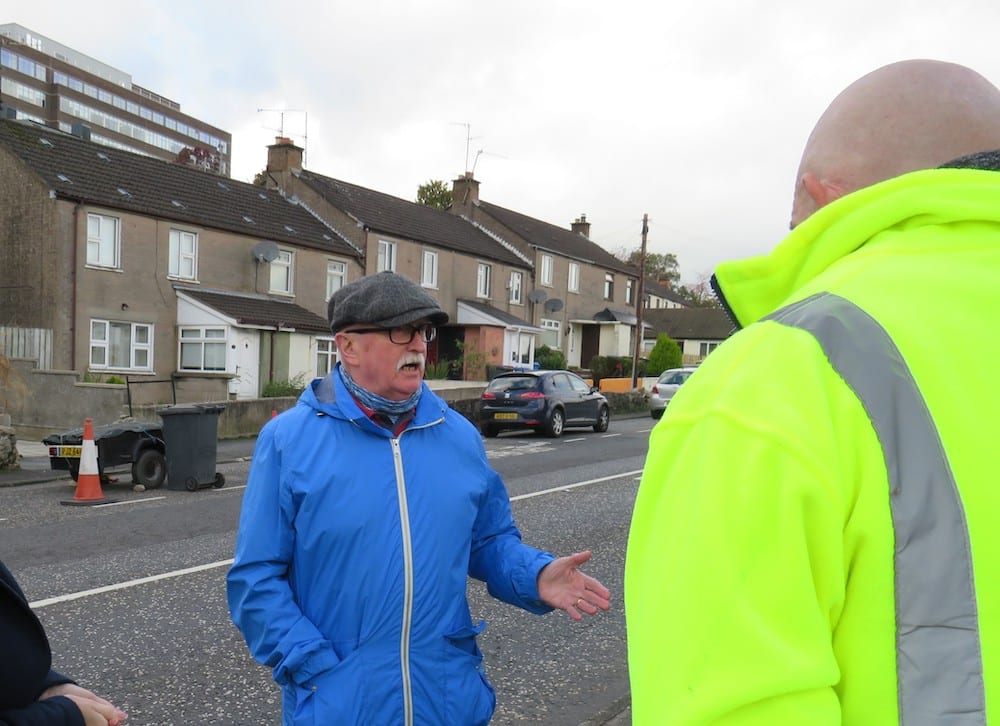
(75, 276)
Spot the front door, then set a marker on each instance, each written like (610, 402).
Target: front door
(247, 358)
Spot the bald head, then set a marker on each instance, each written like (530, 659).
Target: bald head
(911, 115)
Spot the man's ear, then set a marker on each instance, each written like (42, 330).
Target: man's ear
(346, 348)
(822, 191)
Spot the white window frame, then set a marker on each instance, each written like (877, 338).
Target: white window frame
(326, 355)
(183, 263)
(484, 275)
(516, 287)
(629, 288)
(202, 337)
(103, 241)
(282, 266)
(386, 256)
(547, 266)
(609, 286)
(136, 351)
(573, 277)
(552, 336)
(336, 276)
(429, 269)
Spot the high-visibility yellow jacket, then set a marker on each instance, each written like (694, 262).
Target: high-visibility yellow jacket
(816, 538)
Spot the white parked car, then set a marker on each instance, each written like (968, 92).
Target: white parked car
(665, 388)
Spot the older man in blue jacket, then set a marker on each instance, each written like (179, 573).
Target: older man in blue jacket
(368, 506)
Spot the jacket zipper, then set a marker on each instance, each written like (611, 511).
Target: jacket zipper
(407, 620)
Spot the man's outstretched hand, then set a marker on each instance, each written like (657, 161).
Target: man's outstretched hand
(562, 585)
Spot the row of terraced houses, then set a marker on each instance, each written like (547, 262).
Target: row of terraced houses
(116, 260)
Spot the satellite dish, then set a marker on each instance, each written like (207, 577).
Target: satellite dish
(265, 251)
(554, 305)
(536, 296)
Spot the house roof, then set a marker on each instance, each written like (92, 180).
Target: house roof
(391, 215)
(557, 239)
(689, 323)
(499, 315)
(95, 174)
(652, 286)
(258, 310)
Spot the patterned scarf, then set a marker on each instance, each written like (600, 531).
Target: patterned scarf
(392, 409)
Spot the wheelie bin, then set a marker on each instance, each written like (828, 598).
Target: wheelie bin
(191, 433)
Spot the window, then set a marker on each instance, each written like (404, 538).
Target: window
(547, 270)
(551, 335)
(483, 280)
(429, 273)
(573, 281)
(516, 283)
(203, 349)
(628, 291)
(386, 256)
(102, 241)
(183, 254)
(705, 348)
(336, 276)
(126, 346)
(609, 286)
(281, 272)
(326, 356)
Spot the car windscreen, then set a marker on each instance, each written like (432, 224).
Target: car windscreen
(512, 383)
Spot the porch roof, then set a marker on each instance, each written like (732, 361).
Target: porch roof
(259, 311)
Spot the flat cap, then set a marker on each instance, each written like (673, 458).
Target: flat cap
(384, 300)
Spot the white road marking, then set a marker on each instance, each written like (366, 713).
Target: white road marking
(129, 501)
(567, 487)
(129, 583)
(572, 441)
(610, 436)
(37, 604)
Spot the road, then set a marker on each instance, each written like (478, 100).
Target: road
(133, 598)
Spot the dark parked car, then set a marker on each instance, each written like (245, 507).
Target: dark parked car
(547, 401)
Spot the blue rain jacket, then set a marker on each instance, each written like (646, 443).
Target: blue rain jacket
(352, 557)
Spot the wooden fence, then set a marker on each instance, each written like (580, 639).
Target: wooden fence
(29, 343)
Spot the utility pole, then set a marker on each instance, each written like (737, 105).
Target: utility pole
(639, 302)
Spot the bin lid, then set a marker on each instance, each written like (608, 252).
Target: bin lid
(191, 409)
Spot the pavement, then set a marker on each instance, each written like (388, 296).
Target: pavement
(35, 468)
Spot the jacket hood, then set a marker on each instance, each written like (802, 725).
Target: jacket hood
(757, 286)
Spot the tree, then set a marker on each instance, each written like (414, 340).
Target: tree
(665, 354)
(260, 178)
(658, 266)
(435, 193)
(699, 294)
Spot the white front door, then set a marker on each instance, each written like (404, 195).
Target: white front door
(247, 357)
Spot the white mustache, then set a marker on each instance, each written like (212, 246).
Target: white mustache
(410, 357)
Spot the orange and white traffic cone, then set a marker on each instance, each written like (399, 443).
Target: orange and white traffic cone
(88, 480)
(274, 413)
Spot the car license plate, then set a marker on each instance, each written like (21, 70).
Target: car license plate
(68, 452)
(505, 417)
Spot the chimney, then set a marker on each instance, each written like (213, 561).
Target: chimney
(581, 226)
(464, 194)
(283, 155)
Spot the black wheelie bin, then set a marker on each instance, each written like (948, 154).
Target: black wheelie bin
(191, 433)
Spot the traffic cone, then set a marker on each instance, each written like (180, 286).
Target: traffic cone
(88, 480)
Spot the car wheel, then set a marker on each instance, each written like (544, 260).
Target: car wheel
(490, 432)
(656, 414)
(150, 469)
(556, 424)
(603, 419)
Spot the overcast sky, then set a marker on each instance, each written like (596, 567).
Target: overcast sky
(692, 111)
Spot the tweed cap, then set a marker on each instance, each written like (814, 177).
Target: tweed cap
(384, 300)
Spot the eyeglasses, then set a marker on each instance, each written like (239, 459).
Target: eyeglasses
(402, 334)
